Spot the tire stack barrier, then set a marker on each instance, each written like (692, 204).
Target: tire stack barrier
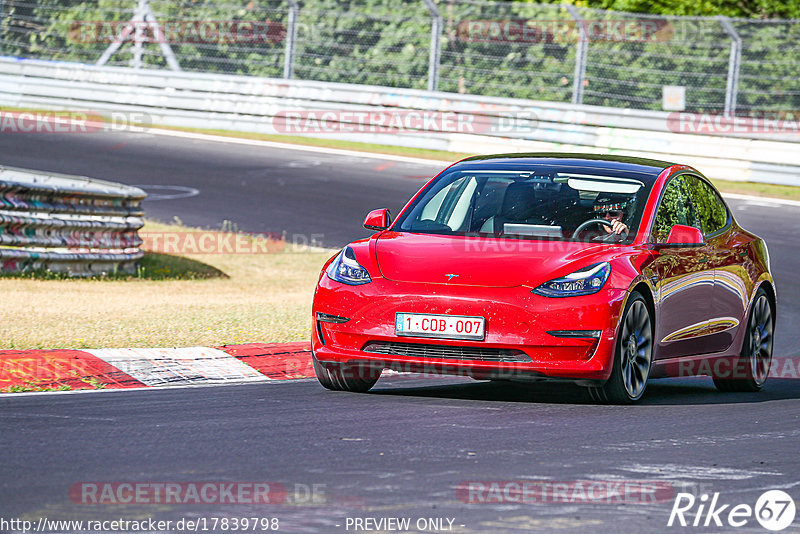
(68, 224)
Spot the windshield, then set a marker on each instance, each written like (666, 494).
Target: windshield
(527, 204)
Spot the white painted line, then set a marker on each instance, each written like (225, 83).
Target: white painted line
(440, 164)
(771, 200)
(675, 471)
(784, 486)
(170, 192)
(188, 365)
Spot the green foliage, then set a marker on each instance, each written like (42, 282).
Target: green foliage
(699, 8)
(710, 209)
(81, 30)
(675, 208)
(387, 43)
(157, 266)
(691, 202)
(31, 386)
(153, 266)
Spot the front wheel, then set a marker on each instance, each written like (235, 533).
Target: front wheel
(341, 377)
(633, 356)
(751, 369)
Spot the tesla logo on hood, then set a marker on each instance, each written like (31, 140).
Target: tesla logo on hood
(451, 276)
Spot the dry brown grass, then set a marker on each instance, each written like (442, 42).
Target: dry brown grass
(264, 298)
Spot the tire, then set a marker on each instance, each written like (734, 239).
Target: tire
(633, 356)
(340, 377)
(751, 368)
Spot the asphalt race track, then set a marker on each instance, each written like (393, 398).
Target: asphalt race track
(403, 449)
(259, 189)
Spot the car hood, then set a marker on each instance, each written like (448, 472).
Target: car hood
(479, 261)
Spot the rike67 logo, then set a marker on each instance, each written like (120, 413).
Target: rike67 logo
(774, 510)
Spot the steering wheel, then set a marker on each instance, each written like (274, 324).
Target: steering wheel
(590, 222)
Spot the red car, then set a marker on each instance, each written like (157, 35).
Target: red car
(604, 271)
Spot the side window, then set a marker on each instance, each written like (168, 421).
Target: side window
(489, 200)
(434, 205)
(461, 208)
(711, 209)
(675, 208)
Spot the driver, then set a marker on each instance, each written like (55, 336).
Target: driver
(613, 208)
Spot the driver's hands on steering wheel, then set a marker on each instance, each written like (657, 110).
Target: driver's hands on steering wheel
(617, 227)
(614, 230)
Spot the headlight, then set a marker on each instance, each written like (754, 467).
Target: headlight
(582, 282)
(347, 270)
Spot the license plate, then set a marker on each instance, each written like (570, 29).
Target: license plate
(440, 326)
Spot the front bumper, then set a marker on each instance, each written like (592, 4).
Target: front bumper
(517, 321)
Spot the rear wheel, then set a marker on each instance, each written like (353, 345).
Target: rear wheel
(751, 369)
(342, 377)
(633, 356)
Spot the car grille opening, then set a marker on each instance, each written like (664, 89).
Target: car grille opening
(447, 352)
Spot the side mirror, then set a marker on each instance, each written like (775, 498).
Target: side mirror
(685, 236)
(378, 219)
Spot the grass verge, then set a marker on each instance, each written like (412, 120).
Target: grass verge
(425, 153)
(195, 299)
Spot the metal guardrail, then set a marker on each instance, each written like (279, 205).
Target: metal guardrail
(68, 224)
(245, 103)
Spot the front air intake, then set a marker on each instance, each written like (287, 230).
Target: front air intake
(446, 352)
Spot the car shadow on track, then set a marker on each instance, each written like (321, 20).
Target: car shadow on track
(678, 391)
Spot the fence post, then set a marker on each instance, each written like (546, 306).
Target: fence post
(291, 35)
(142, 14)
(436, 45)
(580, 55)
(138, 37)
(734, 62)
(2, 36)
